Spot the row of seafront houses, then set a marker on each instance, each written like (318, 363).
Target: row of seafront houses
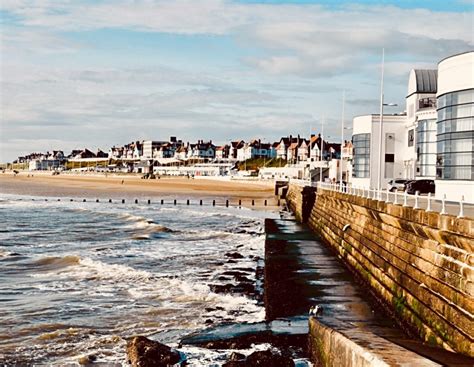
(432, 139)
(297, 157)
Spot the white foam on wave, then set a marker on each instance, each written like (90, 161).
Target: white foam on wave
(119, 272)
(197, 356)
(89, 269)
(218, 212)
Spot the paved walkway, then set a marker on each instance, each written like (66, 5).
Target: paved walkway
(300, 271)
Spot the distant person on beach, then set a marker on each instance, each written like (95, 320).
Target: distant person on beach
(123, 181)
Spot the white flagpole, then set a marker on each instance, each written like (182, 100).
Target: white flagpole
(342, 134)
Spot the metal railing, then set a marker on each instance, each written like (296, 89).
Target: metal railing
(301, 182)
(459, 208)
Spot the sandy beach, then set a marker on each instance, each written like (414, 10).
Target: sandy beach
(131, 187)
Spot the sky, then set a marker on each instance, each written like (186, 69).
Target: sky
(84, 73)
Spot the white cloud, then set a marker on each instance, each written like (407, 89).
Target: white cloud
(304, 55)
(301, 39)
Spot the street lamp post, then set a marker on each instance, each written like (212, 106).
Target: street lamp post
(342, 136)
(321, 153)
(382, 104)
(379, 166)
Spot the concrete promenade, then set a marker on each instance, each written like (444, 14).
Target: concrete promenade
(301, 271)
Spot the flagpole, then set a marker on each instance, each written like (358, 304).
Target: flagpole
(342, 134)
(322, 149)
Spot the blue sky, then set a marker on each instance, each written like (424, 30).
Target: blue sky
(97, 73)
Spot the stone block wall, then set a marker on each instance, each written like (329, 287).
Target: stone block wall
(294, 200)
(300, 201)
(419, 264)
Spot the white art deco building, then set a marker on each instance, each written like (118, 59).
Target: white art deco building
(455, 127)
(433, 139)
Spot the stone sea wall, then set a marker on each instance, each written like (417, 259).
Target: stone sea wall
(419, 264)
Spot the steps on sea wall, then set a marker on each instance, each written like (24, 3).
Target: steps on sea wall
(419, 264)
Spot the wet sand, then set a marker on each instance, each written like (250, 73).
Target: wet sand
(131, 187)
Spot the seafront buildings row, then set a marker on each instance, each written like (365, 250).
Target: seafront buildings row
(433, 138)
(290, 157)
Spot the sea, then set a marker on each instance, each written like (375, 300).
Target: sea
(79, 278)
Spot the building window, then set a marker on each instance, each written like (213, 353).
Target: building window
(455, 136)
(426, 103)
(361, 161)
(426, 148)
(411, 137)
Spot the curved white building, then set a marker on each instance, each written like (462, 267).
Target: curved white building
(419, 155)
(455, 128)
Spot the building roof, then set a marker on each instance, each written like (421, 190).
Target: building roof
(423, 81)
(237, 144)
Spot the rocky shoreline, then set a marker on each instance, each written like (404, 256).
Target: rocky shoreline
(281, 348)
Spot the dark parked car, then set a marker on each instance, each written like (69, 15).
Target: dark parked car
(398, 184)
(422, 186)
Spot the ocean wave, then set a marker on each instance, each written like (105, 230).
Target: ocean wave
(145, 225)
(57, 262)
(88, 269)
(4, 253)
(204, 235)
(97, 270)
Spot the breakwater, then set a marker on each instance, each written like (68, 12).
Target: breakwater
(418, 264)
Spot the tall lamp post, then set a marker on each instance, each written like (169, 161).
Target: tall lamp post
(321, 153)
(382, 104)
(342, 136)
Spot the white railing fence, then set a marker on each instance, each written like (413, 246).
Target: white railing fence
(417, 201)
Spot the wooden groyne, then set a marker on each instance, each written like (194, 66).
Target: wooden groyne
(188, 202)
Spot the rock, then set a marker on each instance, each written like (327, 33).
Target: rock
(220, 288)
(241, 288)
(242, 278)
(234, 255)
(224, 278)
(244, 288)
(234, 356)
(268, 358)
(234, 364)
(143, 352)
(208, 321)
(86, 360)
(260, 358)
